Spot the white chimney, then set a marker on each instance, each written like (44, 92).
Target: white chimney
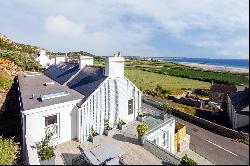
(114, 66)
(85, 60)
(66, 57)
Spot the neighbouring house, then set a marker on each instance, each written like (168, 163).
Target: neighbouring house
(238, 109)
(72, 98)
(43, 59)
(218, 92)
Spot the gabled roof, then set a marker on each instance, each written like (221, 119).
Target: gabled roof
(240, 102)
(87, 80)
(221, 88)
(62, 72)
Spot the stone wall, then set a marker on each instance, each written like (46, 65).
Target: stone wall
(221, 130)
(167, 157)
(187, 101)
(181, 139)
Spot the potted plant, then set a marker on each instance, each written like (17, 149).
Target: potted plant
(94, 136)
(108, 131)
(46, 151)
(167, 109)
(141, 117)
(122, 125)
(142, 129)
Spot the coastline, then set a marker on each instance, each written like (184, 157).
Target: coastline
(214, 67)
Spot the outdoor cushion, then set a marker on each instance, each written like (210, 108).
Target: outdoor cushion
(113, 161)
(91, 157)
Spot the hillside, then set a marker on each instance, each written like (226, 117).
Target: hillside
(14, 58)
(9, 45)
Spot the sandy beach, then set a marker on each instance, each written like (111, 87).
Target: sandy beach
(215, 68)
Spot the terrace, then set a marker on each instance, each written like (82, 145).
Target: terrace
(126, 140)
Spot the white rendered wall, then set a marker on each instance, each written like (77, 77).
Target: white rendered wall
(59, 59)
(35, 121)
(85, 60)
(112, 107)
(168, 127)
(43, 59)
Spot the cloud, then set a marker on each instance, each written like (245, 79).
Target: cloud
(104, 27)
(61, 26)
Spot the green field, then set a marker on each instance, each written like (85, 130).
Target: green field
(149, 80)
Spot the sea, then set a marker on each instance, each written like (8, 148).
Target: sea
(235, 63)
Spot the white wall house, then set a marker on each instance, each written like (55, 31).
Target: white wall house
(44, 60)
(73, 98)
(238, 109)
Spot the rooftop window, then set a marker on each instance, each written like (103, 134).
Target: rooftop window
(30, 74)
(53, 95)
(49, 83)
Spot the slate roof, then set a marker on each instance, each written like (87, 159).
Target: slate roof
(87, 80)
(240, 102)
(67, 77)
(35, 85)
(221, 88)
(62, 72)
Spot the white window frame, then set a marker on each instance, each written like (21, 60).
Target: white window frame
(52, 126)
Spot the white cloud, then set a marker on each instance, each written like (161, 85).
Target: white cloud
(59, 25)
(99, 26)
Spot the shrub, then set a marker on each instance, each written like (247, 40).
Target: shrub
(121, 122)
(106, 125)
(9, 151)
(5, 81)
(142, 129)
(201, 92)
(165, 106)
(141, 114)
(185, 160)
(93, 132)
(45, 150)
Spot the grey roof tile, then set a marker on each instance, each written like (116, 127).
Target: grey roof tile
(240, 101)
(62, 72)
(87, 81)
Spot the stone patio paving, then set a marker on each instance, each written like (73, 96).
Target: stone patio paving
(127, 140)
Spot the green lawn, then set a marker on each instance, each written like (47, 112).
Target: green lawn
(149, 80)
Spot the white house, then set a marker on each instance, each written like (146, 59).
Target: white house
(73, 98)
(238, 109)
(43, 59)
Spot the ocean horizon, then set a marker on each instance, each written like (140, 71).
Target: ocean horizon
(234, 63)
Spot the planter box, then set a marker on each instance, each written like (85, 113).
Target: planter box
(95, 139)
(141, 118)
(108, 132)
(51, 161)
(141, 139)
(122, 127)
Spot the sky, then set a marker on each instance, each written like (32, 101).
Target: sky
(165, 28)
